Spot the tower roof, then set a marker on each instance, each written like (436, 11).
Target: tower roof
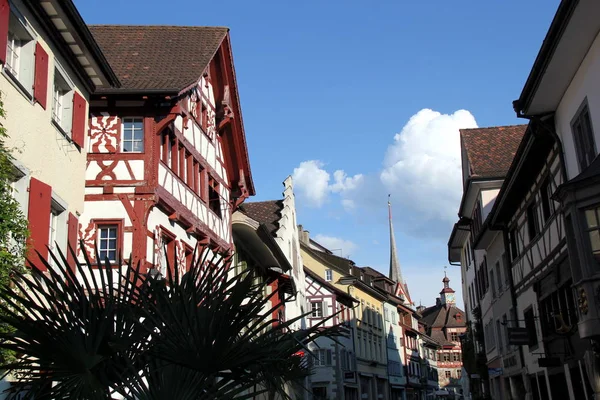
(395, 271)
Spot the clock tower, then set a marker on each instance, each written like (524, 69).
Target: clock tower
(447, 293)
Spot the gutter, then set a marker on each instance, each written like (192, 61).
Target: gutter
(555, 32)
(538, 120)
(84, 31)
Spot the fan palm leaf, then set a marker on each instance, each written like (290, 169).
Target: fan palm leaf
(203, 335)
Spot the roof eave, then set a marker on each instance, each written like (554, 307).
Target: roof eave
(557, 27)
(86, 35)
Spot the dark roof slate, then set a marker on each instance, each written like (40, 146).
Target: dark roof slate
(156, 57)
(490, 151)
(267, 213)
(440, 316)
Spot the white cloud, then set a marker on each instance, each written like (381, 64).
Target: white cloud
(422, 168)
(336, 245)
(311, 182)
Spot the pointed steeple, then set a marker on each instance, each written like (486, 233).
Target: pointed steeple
(395, 271)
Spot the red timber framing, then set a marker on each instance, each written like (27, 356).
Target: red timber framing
(166, 147)
(316, 291)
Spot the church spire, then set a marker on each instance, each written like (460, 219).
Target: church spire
(395, 272)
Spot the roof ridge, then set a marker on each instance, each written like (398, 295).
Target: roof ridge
(157, 26)
(492, 127)
(261, 201)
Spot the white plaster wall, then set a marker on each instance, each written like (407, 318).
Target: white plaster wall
(220, 226)
(585, 83)
(488, 196)
(48, 155)
(524, 300)
(397, 353)
(288, 241)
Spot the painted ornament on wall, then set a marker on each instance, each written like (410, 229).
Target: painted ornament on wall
(104, 134)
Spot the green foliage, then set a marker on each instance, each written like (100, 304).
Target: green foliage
(204, 335)
(13, 224)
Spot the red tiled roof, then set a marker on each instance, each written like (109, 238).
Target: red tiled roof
(265, 212)
(148, 57)
(490, 151)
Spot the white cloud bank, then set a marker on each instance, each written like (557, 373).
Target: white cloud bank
(311, 182)
(421, 170)
(336, 244)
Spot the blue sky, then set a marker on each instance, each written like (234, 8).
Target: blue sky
(327, 85)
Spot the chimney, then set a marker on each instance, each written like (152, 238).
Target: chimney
(303, 235)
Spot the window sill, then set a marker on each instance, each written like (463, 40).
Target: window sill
(62, 131)
(18, 85)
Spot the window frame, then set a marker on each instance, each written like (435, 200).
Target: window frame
(25, 86)
(58, 209)
(328, 275)
(588, 230)
(582, 149)
(67, 106)
(318, 310)
(132, 131)
(118, 223)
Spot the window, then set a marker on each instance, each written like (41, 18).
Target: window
(317, 309)
(498, 276)
(394, 368)
(107, 242)
(530, 326)
(557, 311)
(592, 218)
(507, 271)
(545, 194)
(454, 336)
(493, 283)
(583, 136)
(328, 275)
(62, 101)
(20, 51)
(133, 135)
(499, 335)
(513, 244)
(532, 221)
(214, 199)
(56, 234)
(448, 374)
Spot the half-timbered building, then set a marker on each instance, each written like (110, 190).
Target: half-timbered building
(50, 64)
(370, 380)
(167, 160)
(445, 323)
(487, 154)
(331, 359)
(536, 246)
(561, 95)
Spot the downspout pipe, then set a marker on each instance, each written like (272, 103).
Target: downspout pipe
(549, 129)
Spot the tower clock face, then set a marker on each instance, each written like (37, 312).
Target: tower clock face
(450, 297)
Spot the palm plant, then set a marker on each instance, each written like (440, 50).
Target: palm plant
(203, 335)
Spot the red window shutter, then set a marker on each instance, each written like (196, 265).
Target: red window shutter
(40, 199)
(4, 18)
(79, 114)
(72, 225)
(40, 83)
